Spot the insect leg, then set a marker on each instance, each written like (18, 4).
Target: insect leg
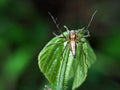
(58, 35)
(78, 41)
(80, 30)
(87, 35)
(57, 25)
(55, 34)
(91, 20)
(67, 29)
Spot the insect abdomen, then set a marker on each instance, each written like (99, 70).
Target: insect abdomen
(73, 47)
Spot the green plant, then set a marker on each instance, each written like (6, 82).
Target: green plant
(60, 67)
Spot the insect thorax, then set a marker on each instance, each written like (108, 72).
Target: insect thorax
(72, 35)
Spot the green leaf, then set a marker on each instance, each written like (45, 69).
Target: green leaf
(85, 57)
(61, 69)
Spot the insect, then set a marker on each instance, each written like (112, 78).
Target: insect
(73, 38)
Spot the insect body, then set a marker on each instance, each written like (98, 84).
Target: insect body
(73, 36)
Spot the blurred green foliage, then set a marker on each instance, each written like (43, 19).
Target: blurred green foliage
(25, 27)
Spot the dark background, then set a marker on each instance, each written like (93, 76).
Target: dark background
(25, 27)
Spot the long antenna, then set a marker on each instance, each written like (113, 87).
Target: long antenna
(57, 25)
(91, 19)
